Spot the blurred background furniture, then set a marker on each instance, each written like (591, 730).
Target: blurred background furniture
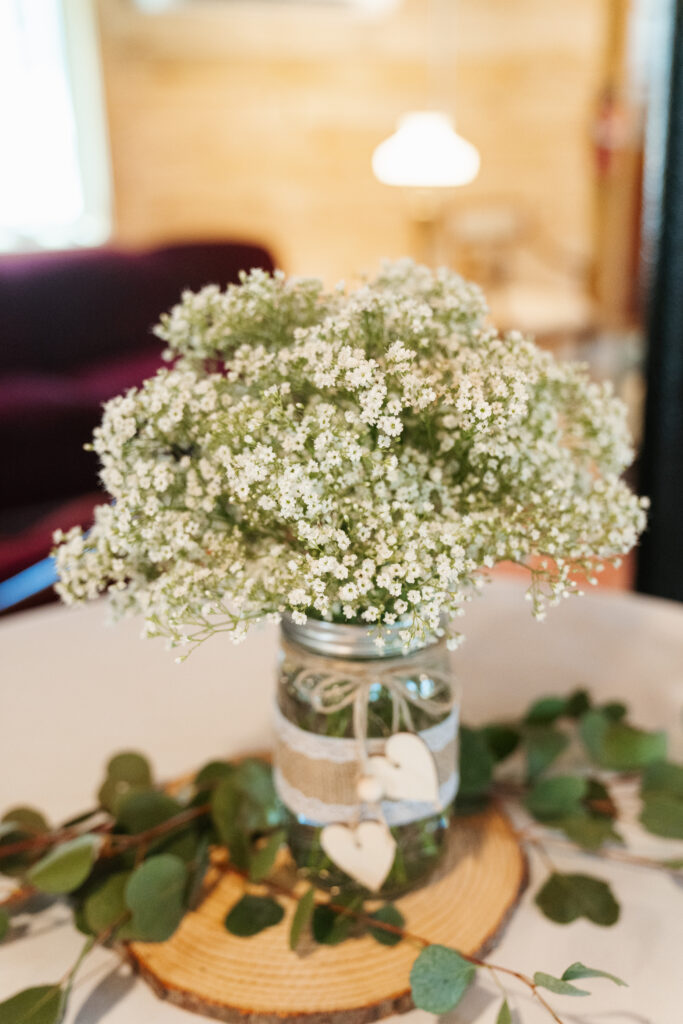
(155, 122)
(77, 329)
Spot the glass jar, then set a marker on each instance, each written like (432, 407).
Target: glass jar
(340, 698)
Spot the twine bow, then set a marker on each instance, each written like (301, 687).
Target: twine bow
(348, 685)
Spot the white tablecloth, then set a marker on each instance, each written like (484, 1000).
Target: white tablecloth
(73, 690)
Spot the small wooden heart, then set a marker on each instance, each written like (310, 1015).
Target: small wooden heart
(365, 852)
(407, 770)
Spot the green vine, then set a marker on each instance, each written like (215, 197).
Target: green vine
(133, 865)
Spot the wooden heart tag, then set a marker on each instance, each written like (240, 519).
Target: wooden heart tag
(365, 852)
(407, 770)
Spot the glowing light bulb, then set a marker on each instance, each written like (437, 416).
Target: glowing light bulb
(425, 152)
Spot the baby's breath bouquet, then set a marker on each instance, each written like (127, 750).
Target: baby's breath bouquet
(355, 457)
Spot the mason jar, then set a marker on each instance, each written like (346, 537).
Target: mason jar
(340, 699)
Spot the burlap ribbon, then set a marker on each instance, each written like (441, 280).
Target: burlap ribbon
(317, 775)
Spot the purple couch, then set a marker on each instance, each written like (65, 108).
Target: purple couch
(76, 329)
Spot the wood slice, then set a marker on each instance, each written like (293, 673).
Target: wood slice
(259, 980)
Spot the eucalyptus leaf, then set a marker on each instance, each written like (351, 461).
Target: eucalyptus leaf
(126, 771)
(255, 777)
(244, 803)
(502, 740)
(558, 985)
(154, 894)
(588, 831)
(564, 898)
(213, 772)
(197, 872)
(663, 777)
(504, 1015)
(107, 903)
(663, 815)
(556, 797)
(252, 914)
(546, 710)
(130, 766)
(143, 809)
(439, 979)
(225, 802)
(261, 810)
(20, 824)
(262, 860)
(27, 819)
(579, 970)
(66, 866)
(330, 927)
(240, 850)
(182, 842)
(544, 744)
(618, 746)
(476, 764)
(79, 921)
(388, 914)
(43, 1004)
(578, 703)
(113, 790)
(614, 710)
(226, 806)
(4, 923)
(302, 917)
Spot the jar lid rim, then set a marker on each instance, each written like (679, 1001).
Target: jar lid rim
(352, 640)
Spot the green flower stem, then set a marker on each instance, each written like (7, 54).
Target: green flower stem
(88, 946)
(95, 940)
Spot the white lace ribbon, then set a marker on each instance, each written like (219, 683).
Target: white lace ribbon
(342, 750)
(311, 811)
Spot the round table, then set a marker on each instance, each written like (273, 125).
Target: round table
(73, 690)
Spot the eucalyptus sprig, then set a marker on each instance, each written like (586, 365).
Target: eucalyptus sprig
(132, 866)
(576, 809)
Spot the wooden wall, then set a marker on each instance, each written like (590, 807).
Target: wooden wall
(258, 119)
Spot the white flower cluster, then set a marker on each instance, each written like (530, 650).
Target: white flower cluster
(358, 457)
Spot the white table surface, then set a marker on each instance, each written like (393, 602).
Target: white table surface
(73, 690)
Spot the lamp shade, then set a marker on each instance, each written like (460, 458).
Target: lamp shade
(425, 152)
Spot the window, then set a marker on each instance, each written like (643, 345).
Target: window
(53, 168)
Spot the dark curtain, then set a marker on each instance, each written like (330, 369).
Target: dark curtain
(660, 563)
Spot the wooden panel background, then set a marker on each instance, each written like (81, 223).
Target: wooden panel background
(258, 119)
